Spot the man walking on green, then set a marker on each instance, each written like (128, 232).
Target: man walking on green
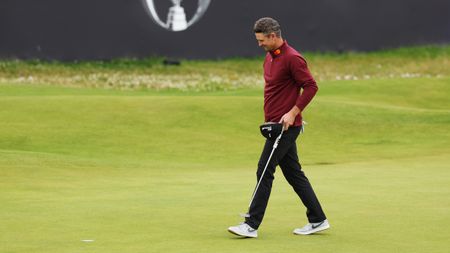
(285, 74)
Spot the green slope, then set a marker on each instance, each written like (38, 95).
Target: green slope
(145, 171)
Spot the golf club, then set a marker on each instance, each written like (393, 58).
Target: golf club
(275, 145)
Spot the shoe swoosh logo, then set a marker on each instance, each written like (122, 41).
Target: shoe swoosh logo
(316, 226)
(250, 230)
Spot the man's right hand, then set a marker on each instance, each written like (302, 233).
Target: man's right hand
(288, 119)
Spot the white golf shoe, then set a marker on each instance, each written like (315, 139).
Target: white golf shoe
(312, 228)
(244, 230)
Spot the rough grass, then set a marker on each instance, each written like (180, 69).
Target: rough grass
(229, 74)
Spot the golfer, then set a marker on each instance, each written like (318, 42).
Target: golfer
(285, 74)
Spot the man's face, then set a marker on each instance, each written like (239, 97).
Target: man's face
(267, 42)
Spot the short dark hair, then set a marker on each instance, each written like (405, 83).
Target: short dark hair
(267, 26)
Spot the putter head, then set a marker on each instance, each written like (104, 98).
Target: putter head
(271, 130)
(245, 215)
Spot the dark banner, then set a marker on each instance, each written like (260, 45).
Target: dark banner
(105, 29)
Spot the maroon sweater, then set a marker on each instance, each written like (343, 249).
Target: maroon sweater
(285, 73)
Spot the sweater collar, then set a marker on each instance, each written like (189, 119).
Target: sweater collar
(279, 51)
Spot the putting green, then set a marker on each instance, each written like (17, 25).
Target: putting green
(107, 171)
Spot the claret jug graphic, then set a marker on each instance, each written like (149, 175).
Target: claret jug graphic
(176, 18)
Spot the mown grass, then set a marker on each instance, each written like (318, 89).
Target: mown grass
(142, 170)
(169, 173)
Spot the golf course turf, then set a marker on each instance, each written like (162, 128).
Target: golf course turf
(86, 169)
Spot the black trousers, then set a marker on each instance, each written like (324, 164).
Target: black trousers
(286, 157)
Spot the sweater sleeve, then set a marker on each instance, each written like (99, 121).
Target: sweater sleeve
(303, 78)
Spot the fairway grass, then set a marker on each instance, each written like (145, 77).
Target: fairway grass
(94, 170)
